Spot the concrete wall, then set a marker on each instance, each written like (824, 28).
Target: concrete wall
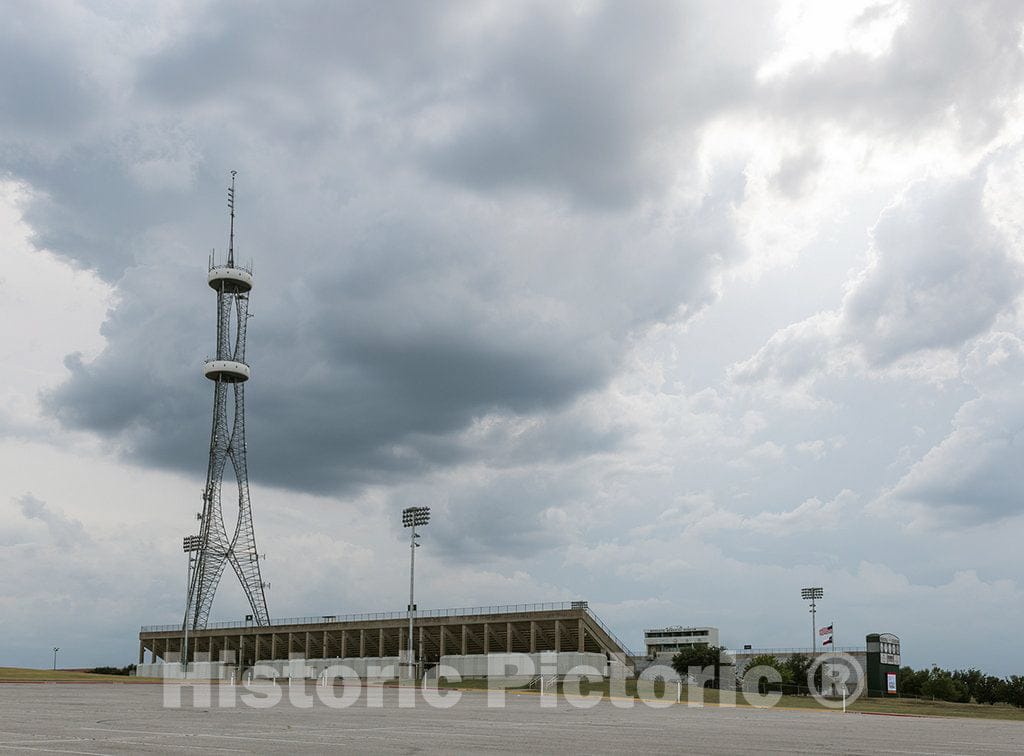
(743, 658)
(520, 666)
(196, 670)
(546, 662)
(367, 667)
(859, 656)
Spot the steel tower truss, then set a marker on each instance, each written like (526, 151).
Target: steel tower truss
(229, 372)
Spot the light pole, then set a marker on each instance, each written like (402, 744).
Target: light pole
(190, 544)
(55, 650)
(813, 594)
(411, 518)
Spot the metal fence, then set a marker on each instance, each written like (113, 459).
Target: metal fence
(805, 650)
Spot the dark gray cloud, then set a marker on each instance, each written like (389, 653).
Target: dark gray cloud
(454, 215)
(599, 106)
(518, 513)
(396, 300)
(41, 93)
(471, 224)
(367, 359)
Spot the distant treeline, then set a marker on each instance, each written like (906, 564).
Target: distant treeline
(113, 670)
(958, 686)
(962, 686)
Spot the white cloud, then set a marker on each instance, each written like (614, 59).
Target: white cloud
(972, 476)
(939, 273)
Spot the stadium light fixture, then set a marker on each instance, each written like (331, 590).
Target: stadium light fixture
(190, 544)
(413, 517)
(812, 595)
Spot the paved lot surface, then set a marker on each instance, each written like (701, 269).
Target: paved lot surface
(95, 719)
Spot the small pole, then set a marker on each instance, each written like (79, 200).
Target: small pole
(679, 691)
(55, 650)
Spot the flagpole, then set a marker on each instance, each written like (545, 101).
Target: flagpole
(832, 637)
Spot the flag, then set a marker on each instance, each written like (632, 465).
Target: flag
(827, 641)
(825, 630)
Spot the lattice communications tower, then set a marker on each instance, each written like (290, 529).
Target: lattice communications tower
(229, 372)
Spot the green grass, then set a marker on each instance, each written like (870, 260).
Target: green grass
(937, 708)
(864, 705)
(19, 674)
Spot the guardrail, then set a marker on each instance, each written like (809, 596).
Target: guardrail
(609, 633)
(371, 616)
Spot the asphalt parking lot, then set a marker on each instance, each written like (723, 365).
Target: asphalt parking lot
(101, 719)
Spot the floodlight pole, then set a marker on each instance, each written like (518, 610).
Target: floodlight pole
(188, 583)
(814, 626)
(412, 605)
(411, 517)
(813, 594)
(190, 545)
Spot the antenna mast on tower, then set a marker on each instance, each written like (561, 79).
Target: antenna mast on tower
(231, 235)
(229, 372)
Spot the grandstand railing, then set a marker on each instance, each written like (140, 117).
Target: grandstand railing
(608, 632)
(420, 614)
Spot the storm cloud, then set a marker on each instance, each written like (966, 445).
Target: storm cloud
(672, 306)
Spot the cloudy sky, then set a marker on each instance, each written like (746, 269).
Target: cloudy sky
(674, 307)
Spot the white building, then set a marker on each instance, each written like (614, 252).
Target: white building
(671, 639)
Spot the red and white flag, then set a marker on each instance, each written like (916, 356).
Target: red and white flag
(827, 641)
(825, 630)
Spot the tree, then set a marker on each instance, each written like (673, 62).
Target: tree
(770, 661)
(962, 686)
(941, 685)
(972, 678)
(1014, 690)
(701, 657)
(990, 690)
(796, 668)
(912, 681)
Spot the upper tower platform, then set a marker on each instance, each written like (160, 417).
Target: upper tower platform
(230, 279)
